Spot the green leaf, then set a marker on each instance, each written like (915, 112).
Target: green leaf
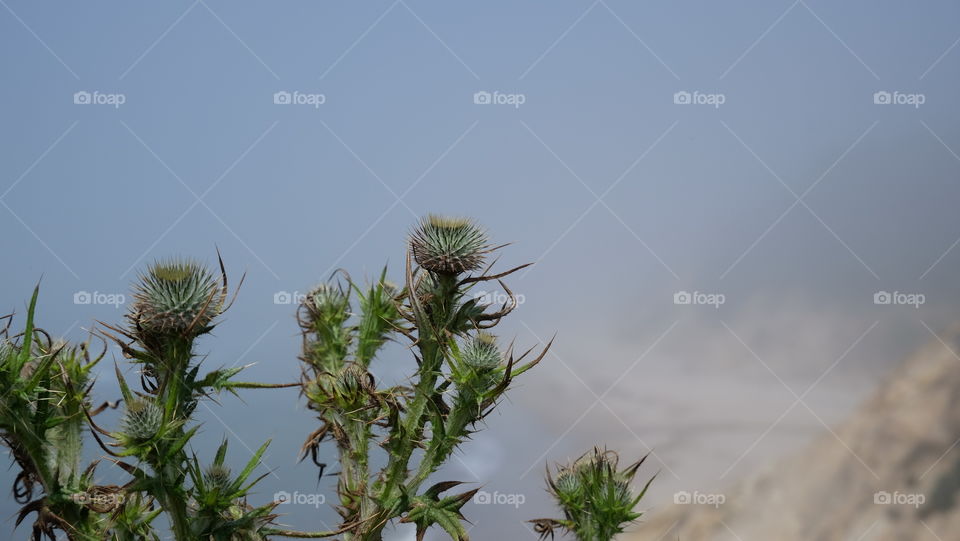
(180, 442)
(27, 344)
(252, 464)
(124, 388)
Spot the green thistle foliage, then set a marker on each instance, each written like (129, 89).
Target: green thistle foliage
(142, 420)
(595, 497)
(449, 245)
(176, 297)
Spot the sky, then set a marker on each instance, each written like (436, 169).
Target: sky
(781, 165)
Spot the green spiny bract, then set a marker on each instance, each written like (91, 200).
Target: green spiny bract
(476, 370)
(142, 420)
(448, 245)
(176, 297)
(595, 497)
(481, 353)
(217, 477)
(328, 302)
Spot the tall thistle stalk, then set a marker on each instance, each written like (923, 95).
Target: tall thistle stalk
(461, 373)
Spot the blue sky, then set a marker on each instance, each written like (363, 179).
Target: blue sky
(797, 199)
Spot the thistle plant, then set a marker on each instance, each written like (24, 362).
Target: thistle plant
(461, 374)
(595, 497)
(45, 386)
(389, 440)
(175, 302)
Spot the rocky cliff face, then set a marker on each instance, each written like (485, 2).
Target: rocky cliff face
(889, 473)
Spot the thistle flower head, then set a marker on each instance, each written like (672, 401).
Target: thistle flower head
(596, 460)
(217, 477)
(142, 420)
(179, 297)
(567, 485)
(448, 245)
(596, 498)
(353, 383)
(481, 352)
(326, 296)
(326, 299)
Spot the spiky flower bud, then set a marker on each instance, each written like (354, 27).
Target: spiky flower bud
(217, 477)
(567, 485)
(448, 245)
(178, 297)
(142, 420)
(353, 383)
(481, 352)
(596, 498)
(326, 301)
